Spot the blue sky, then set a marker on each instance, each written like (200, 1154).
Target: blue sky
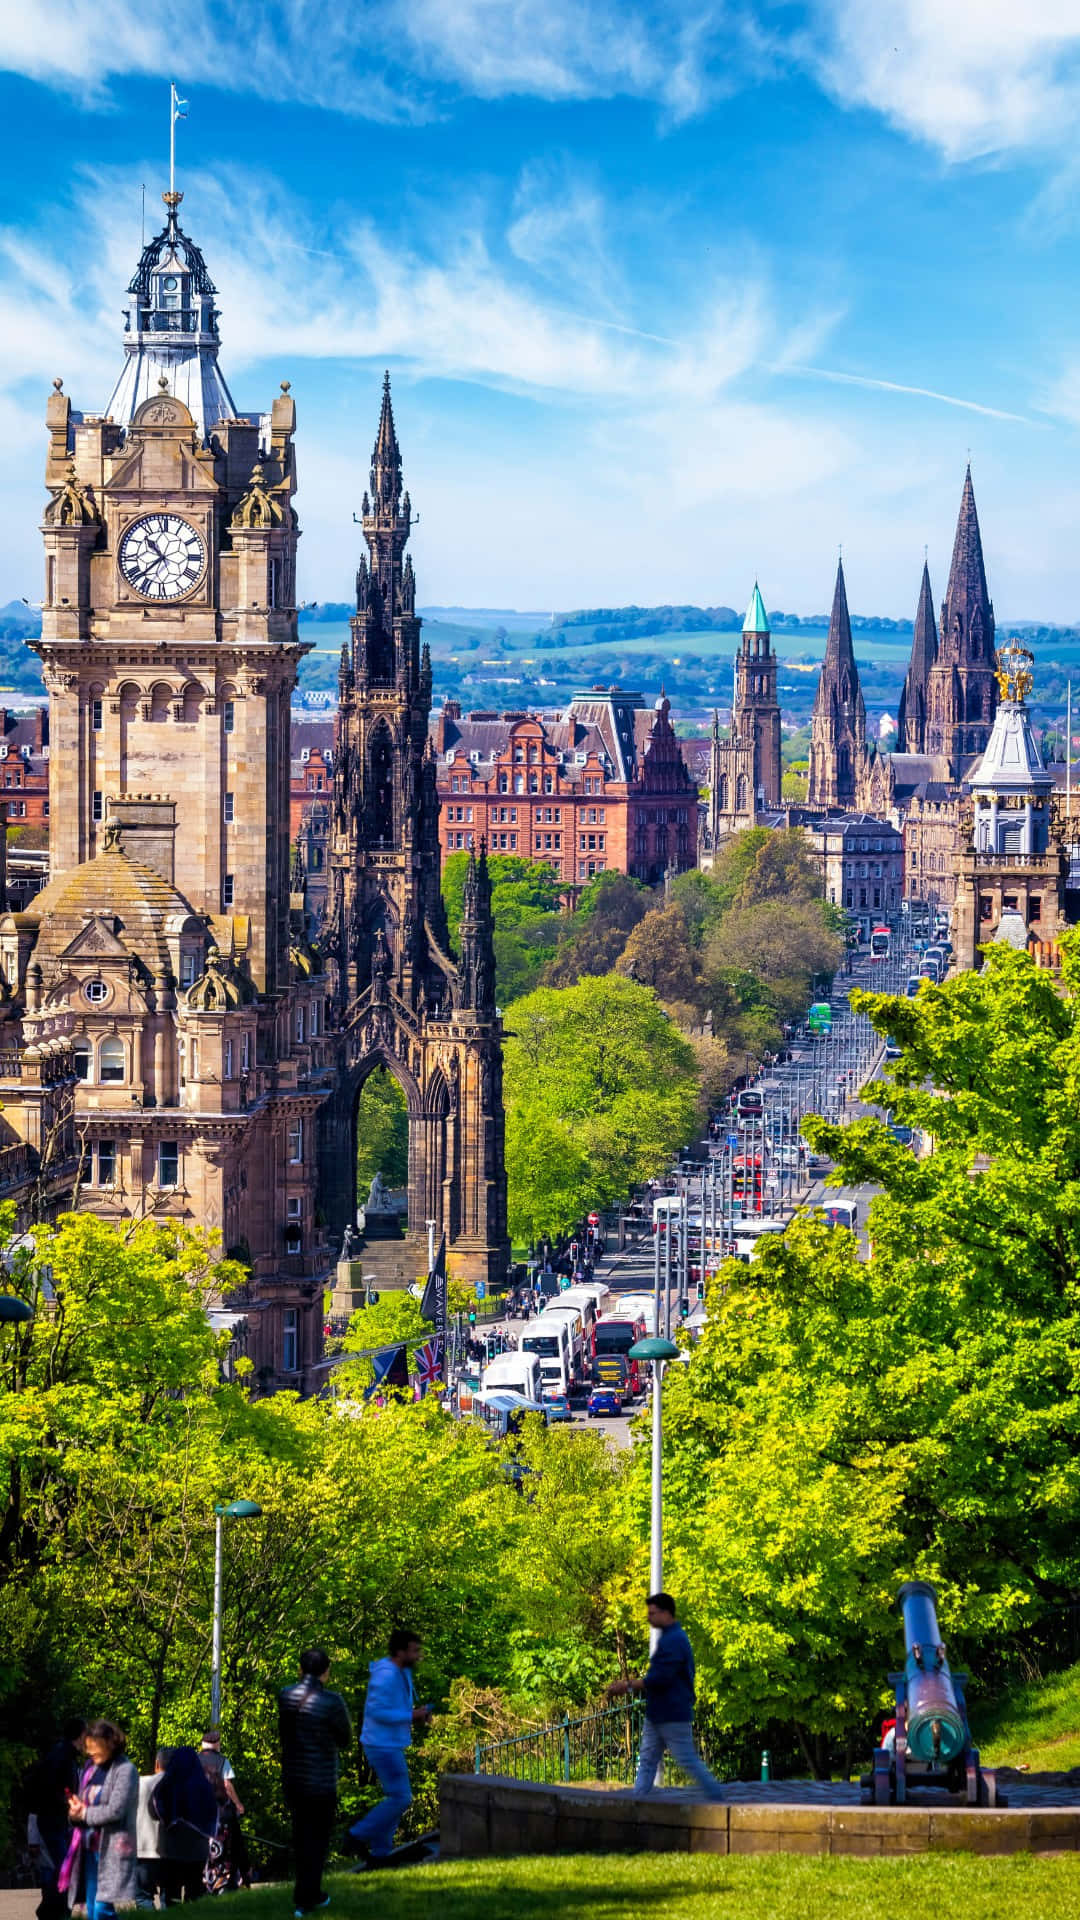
(671, 297)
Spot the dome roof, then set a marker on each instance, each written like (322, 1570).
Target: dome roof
(138, 904)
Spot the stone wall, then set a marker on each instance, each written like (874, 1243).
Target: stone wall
(483, 1814)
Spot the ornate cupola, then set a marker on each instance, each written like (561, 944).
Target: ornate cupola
(1011, 785)
(171, 330)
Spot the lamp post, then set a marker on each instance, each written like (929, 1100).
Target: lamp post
(14, 1311)
(658, 1351)
(233, 1510)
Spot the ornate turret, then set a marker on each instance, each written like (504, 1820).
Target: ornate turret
(838, 724)
(961, 684)
(476, 939)
(171, 331)
(911, 718)
(385, 630)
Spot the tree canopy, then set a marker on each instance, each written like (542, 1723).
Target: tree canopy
(525, 908)
(600, 1090)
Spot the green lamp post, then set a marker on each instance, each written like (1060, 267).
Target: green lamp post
(659, 1352)
(14, 1311)
(232, 1510)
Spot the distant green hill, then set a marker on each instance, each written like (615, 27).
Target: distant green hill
(19, 668)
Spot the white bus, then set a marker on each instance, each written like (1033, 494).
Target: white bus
(549, 1339)
(579, 1340)
(516, 1372)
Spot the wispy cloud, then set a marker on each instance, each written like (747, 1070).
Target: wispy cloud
(972, 78)
(896, 386)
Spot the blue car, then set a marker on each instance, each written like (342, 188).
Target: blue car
(604, 1400)
(557, 1406)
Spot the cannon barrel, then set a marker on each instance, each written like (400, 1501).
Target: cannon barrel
(936, 1728)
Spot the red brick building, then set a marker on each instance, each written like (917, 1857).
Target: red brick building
(602, 786)
(24, 766)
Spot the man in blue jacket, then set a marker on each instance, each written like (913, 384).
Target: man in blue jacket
(668, 1686)
(390, 1714)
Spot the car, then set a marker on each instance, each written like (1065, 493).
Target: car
(904, 1136)
(892, 1050)
(914, 982)
(604, 1400)
(557, 1406)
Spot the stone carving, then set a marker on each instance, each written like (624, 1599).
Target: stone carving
(378, 1200)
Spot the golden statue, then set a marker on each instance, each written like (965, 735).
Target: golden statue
(1014, 676)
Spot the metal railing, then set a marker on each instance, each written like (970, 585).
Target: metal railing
(593, 1746)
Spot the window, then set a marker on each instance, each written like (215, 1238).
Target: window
(300, 1025)
(188, 963)
(168, 1163)
(227, 1070)
(296, 1142)
(111, 1060)
(81, 1056)
(314, 1019)
(558, 815)
(96, 720)
(227, 890)
(106, 1163)
(97, 807)
(290, 1331)
(245, 1052)
(504, 783)
(295, 1206)
(549, 783)
(230, 809)
(519, 783)
(96, 991)
(230, 715)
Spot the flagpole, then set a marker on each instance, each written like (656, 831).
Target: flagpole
(1068, 749)
(172, 136)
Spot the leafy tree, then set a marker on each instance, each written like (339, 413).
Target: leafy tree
(607, 912)
(382, 1132)
(600, 1088)
(847, 1424)
(525, 907)
(659, 955)
(783, 944)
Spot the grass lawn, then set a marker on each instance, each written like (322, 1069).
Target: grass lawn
(1037, 1725)
(681, 1887)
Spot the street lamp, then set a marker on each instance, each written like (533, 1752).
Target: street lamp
(233, 1510)
(658, 1351)
(13, 1311)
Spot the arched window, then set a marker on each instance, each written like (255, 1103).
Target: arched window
(111, 1064)
(740, 794)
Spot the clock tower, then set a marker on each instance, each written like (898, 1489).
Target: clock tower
(169, 636)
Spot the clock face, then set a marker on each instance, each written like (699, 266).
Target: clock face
(162, 556)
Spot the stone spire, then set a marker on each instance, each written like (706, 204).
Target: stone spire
(386, 459)
(385, 584)
(476, 940)
(755, 717)
(961, 686)
(838, 723)
(911, 719)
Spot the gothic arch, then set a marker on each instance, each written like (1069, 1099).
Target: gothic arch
(381, 784)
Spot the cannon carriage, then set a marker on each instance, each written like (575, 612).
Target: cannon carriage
(932, 1747)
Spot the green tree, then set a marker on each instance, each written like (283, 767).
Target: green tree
(382, 1132)
(846, 1424)
(600, 1089)
(659, 955)
(594, 935)
(525, 909)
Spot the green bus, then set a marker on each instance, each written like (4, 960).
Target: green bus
(819, 1019)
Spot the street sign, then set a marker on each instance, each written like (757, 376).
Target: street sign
(481, 1289)
(594, 1219)
(733, 1139)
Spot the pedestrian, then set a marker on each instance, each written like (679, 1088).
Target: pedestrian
(390, 1714)
(149, 1835)
(230, 1864)
(49, 1783)
(668, 1686)
(315, 1728)
(184, 1802)
(104, 1813)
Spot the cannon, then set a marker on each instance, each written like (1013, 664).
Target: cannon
(932, 1748)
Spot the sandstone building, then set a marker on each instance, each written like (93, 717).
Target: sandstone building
(161, 953)
(744, 769)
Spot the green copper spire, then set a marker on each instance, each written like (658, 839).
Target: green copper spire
(757, 620)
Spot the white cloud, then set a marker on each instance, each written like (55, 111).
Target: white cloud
(389, 59)
(970, 77)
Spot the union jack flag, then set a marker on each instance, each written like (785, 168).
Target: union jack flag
(429, 1366)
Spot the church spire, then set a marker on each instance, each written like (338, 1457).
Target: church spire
(838, 722)
(967, 616)
(961, 695)
(386, 460)
(911, 717)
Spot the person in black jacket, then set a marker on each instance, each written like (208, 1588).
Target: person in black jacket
(52, 1779)
(668, 1686)
(315, 1729)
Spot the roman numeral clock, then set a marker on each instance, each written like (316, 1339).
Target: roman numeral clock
(162, 556)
